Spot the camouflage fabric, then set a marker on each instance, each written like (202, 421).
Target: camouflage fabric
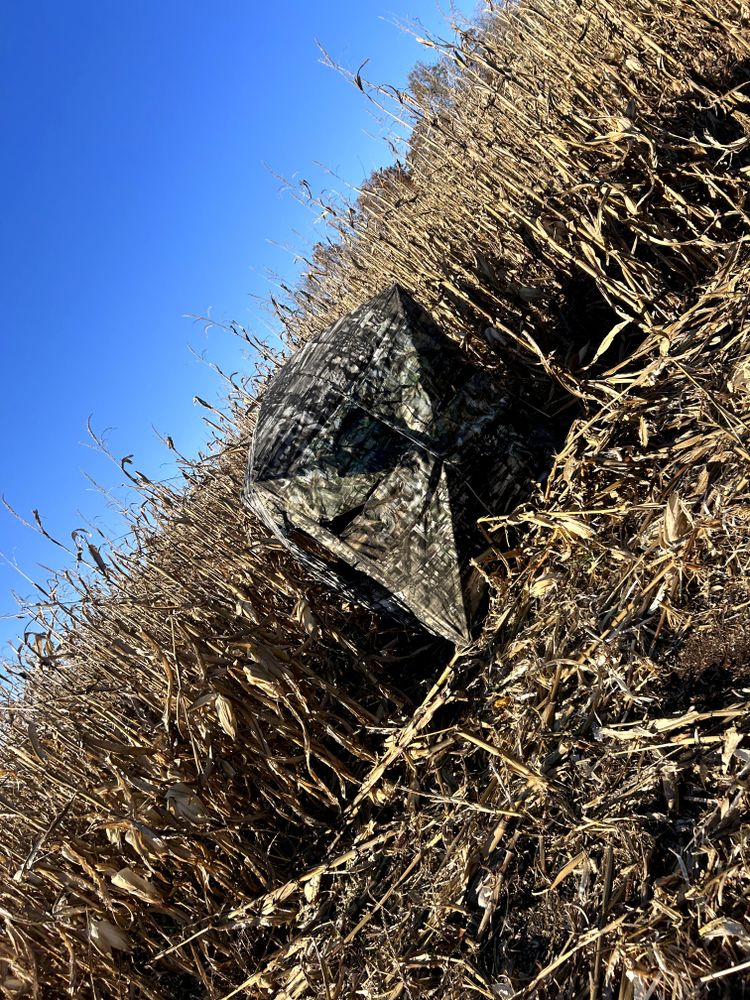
(377, 447)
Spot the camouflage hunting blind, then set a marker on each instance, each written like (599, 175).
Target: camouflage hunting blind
(376, 448)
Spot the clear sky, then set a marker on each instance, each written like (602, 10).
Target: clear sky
(137, 187)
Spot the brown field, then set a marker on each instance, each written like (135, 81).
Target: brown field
(216, 780)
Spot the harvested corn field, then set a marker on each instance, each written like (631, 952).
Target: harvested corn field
(220, 780)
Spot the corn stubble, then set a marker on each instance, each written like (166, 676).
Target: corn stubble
(218, 781)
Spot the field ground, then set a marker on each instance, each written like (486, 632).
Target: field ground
(218, 780)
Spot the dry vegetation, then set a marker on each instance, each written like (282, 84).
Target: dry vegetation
(218, 781)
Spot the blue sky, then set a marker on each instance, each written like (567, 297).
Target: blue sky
(137, 187)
